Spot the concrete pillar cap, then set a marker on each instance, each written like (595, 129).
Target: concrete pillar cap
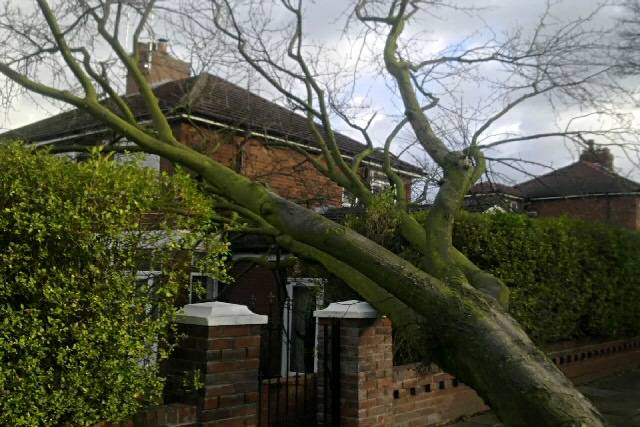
(352, 309)
(217, 313)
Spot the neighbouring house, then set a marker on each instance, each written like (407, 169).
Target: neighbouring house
(249, 134)
(588, 189)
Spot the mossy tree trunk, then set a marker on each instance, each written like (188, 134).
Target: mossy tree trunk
(444, 296)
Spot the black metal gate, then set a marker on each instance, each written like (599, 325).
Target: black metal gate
(330, 370)
(287, 382)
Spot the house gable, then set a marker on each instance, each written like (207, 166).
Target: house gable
(588, 189)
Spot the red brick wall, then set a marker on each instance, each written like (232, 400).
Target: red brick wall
(285, 171)
(620, 210)
(174, 415)
(586, 363)
(257, 287)
(427, 396)
(227, 358)
(163, 68)
(373, 393)
(366, 362)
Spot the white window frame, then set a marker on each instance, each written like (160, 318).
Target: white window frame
(150, 276)
(379, 182)
(151, 161)
(287, 319)
(213, 287)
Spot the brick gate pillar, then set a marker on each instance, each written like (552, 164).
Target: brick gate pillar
(215, 365)
(355, 354)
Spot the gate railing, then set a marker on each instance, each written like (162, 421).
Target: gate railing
(286, 393)
(331, 374)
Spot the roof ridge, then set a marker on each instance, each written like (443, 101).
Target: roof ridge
(612, 173)
(192, 96)
(282, 108)
(209, 96)
(594, 166)
(553, 172)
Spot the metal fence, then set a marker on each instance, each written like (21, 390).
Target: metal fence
(287, 382)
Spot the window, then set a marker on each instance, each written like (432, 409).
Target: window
(379, 183)
(377, 180)
(300, 332)
(204, 288)
(151, 161)
(145, 282)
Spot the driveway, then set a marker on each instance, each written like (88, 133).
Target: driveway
(617, 397)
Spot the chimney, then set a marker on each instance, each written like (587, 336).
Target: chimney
(600, 156)
(163, 46)
(158, 65)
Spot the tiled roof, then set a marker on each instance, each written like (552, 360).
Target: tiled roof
(580, 178)
(205, 96)
(487, 187)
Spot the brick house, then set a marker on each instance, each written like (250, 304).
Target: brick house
(588, 189)
(247, 133)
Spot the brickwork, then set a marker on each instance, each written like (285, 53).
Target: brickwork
(430, 397)
(158, 66)
(622, 210)
(366, 363)
(257, 286)
(282, 169)
(375, 393)
(585, 363)
(227, 358)
(174, 415)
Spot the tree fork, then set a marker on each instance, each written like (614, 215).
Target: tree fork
(531, 388)
(478, 341)
(464, 321)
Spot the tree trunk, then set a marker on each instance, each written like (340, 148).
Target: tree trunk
(476, 340)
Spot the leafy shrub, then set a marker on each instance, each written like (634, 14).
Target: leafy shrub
(569, 279)
(78, 332)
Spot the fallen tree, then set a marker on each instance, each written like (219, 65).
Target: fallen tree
(442, 296)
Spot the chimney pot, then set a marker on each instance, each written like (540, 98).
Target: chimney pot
(158, 65)
(163, 46)
(600, 156)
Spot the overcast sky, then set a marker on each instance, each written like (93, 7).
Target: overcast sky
(323, 25)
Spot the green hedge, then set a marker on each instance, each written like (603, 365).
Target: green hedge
(78, 331)
(569, 279)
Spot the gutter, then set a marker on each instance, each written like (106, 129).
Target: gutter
(225, 126)
(581, 196)
(287, 142)
(78, 135)
(573, 196)
(506, 195)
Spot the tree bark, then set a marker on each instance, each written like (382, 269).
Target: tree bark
(477, 341)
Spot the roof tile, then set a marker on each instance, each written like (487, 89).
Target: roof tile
(210, 97)
(580, 178)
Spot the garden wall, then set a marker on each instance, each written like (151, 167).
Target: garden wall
(374, 393)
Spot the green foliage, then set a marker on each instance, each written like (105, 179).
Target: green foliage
(379, 221)
(569, 279)
(80, 334)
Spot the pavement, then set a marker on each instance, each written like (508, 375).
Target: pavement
(617, 397)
